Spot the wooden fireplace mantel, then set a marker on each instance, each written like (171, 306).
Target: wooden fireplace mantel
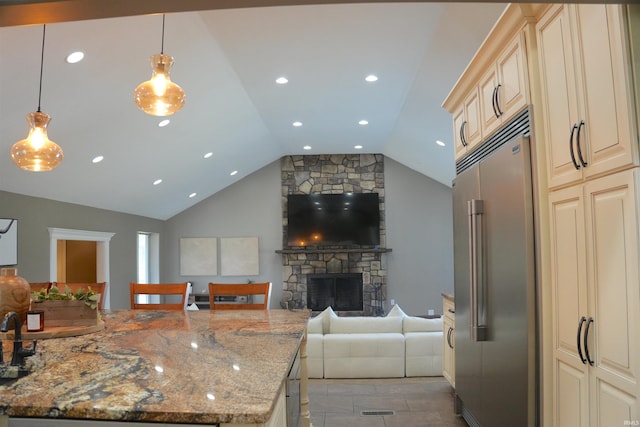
(329, 251)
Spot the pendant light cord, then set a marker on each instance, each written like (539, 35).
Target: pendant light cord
(162, 46)
(44, 28)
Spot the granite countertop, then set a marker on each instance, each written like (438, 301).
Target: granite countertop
(447, 296)
(200, 367)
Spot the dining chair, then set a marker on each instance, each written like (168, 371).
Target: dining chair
(75, 287)
(252, 290)
(176, 291)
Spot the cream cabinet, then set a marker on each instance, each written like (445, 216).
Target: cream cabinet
(448, 348)
(503, 89)
(596, 302)
(586, 85)
(493, 89)
(466, 124)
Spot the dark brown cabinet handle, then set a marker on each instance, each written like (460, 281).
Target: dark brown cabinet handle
(496, 101)
(462, 139)
(573, 156)
(582, 320)
(449, 332)
(586, 341)
(582, 161)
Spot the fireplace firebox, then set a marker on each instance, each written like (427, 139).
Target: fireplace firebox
(341, 291)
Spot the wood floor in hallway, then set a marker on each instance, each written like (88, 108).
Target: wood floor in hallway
(414, 402)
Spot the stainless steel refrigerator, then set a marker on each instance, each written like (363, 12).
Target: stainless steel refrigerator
(495, 285)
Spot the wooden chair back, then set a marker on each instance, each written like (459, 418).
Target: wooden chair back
(253, 289)
(179, 289)
(75, 287)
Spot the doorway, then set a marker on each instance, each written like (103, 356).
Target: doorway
(101, 240)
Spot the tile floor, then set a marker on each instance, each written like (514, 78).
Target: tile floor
(416, 402)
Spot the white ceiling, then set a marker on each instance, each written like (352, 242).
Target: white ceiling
(227, 62)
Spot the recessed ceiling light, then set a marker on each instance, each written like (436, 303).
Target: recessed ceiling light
(297, 124)
(75, 57)
(209, 154)
(307, 147)
(371, 78)
(282, 80)
(233, 173)
(192, 195)
(440, 143)
(157, 181)
(164, 122)
(358, 147)
(98, 159)
(363, 122)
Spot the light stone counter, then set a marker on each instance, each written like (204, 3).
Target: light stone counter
(199, 367)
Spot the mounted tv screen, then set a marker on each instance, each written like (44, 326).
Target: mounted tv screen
(333, 219)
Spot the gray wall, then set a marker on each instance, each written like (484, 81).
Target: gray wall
(249, 208)
(35, 215)
(419, 220)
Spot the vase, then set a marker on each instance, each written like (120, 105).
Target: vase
(14, 293)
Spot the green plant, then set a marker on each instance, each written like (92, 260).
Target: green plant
(90, 297)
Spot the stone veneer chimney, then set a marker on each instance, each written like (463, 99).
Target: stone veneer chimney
(333, 174)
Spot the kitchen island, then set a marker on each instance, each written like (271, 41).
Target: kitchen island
(192, 367)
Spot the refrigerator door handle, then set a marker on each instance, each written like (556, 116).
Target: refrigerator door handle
(476, 282)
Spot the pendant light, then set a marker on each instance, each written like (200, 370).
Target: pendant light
(37, 153)
(159, 96)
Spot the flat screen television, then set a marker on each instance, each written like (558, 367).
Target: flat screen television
(333, 219)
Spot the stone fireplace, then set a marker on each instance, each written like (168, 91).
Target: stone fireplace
(331, 174)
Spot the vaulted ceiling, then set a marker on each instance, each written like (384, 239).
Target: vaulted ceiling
(227, 62)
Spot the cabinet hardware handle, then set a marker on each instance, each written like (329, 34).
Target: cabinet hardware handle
(582, 320)
(451, 310)
(573, 156)
(586, 341)
(449, 332)
(499, 112)
(462, 138)
(494, 100)
(578, 144)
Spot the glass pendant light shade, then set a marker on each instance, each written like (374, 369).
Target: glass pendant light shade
(159, 96)
(37, 153)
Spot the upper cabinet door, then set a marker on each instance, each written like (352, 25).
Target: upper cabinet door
(605, 88)
(503, 87)
(585, 80)
(466, 125)
(560, 108)
(489, 116)
(512, 89)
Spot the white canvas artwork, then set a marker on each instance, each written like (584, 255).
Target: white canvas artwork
(239, 256)
(198, 256)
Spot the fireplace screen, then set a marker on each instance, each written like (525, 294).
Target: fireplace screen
(343, 291)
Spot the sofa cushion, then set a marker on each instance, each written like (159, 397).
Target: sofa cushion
(418, 324)
(423, 352)
(396, 311)
(364, 355)
(365, 325)
(320, 323)
(315, 356)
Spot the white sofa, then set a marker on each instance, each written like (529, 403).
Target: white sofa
(396, 345)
